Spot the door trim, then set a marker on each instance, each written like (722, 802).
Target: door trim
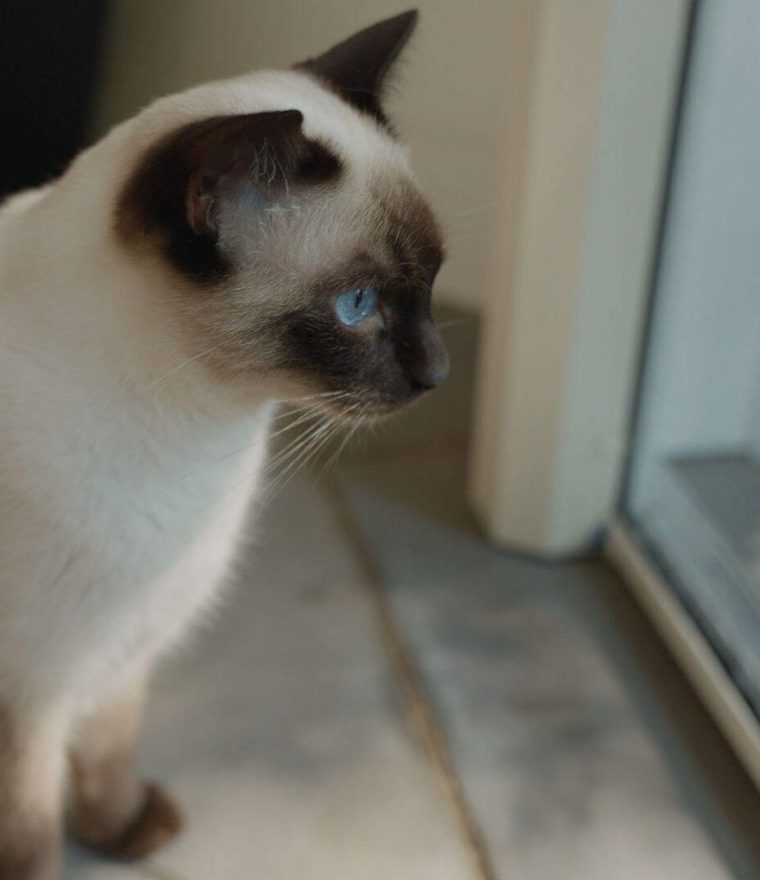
(571, 270)
(689, 645)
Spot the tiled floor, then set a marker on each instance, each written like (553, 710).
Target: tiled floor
(291, 730)
(554, 760)
(283, 733)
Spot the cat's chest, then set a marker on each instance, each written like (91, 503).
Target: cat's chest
(146, 493)
(141, 521)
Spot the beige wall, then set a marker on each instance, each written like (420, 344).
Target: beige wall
(450, 103)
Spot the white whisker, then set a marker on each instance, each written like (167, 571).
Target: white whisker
(143, 388)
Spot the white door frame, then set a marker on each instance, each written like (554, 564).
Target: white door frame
(690, 647)
(569, 282)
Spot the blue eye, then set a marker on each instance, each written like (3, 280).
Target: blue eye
(355, 306)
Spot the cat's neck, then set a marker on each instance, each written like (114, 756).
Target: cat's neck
(73, 303)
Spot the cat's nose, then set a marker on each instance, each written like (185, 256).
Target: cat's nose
(431, 365)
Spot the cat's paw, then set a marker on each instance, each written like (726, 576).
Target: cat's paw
(156, 824)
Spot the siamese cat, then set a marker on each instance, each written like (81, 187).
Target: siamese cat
(244, 243)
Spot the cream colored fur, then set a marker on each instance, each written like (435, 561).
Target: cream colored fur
(121, 506)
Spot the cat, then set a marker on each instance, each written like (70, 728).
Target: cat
(244, 243)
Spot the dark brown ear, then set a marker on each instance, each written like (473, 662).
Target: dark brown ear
(357, 67)
(177, 189)
(260, 150)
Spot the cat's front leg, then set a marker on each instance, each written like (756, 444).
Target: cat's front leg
(113, 811)
(32, 761)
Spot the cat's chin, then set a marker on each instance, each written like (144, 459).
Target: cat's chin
(358, 404)
(368, 409)
(346, 405)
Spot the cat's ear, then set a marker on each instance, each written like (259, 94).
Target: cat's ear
(266, 153)
(357, 68)
(178, 189)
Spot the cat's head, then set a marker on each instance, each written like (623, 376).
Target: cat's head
(301, 253)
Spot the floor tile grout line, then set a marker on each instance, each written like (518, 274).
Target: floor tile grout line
(423, 713)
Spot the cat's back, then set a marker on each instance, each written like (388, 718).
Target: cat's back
(19, 202)
(16, 204)
(15, 266)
